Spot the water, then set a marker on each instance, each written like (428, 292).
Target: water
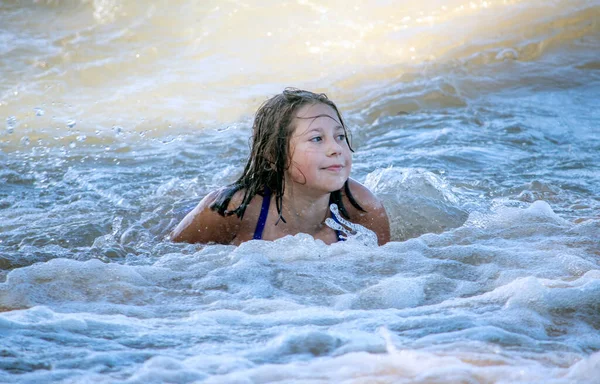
(476, 123)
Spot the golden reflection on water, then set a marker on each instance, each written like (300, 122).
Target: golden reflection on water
(108, 62)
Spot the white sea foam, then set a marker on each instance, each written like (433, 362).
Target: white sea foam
(297, 299)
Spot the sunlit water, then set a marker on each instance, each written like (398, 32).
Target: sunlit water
(477, 124)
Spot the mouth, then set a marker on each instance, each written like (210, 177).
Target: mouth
(334, 168)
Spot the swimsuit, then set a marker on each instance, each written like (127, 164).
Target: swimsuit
(264, 212)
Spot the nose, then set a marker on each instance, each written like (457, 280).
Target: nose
(334, 148)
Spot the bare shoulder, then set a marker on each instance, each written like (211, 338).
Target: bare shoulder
(373, 215)
(204, 225)
(363, 195)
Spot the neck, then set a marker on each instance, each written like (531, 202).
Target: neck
(302, 211)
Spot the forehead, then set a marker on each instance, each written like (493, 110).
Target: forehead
(314, 116)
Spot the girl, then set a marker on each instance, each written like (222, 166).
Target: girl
(299, 164)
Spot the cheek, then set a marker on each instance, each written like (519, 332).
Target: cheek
(299, 164)
(302, 157)
(348, 164)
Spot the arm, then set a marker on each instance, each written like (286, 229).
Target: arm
(203, 225)
(375, 217)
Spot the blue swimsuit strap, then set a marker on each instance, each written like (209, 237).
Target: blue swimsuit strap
(264, 212)
(338, 233)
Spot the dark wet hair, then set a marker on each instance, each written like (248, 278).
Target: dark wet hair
(269, 153)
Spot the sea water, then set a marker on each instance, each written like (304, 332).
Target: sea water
(475, 122)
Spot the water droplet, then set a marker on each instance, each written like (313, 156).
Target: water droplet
(39, 111)
(116, 225)
(25, 140)
(117, 129)
(81, 138)
(71, 123)
(72, 144)
(11, 123)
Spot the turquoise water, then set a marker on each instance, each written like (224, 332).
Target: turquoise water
(475, 123)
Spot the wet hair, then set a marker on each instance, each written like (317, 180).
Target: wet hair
(269, 154)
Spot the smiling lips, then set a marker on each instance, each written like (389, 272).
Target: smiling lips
(334, 168)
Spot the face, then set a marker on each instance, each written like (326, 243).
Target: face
(320, 158)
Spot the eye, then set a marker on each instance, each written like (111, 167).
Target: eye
(342, 137)
(316, 139)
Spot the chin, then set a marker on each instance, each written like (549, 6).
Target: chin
(337, 186)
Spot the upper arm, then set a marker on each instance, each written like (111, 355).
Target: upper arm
(374, 216)
(203, 225)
